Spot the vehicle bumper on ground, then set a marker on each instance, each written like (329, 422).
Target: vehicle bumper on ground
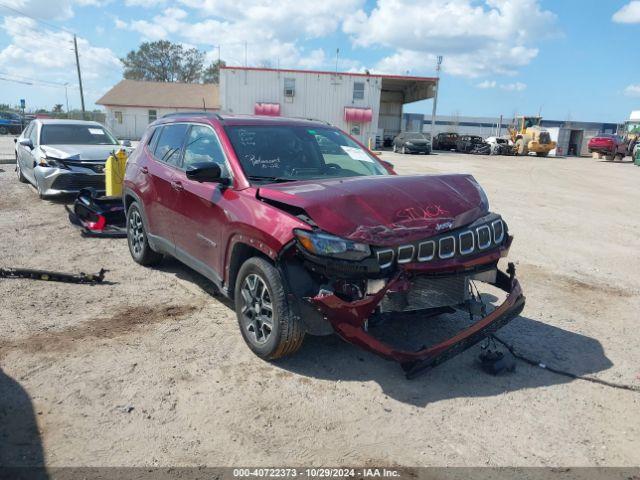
(59, 181)
(349, 320)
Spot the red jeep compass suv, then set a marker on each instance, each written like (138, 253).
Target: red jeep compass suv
(308, 232)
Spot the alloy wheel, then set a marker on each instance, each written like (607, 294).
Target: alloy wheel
(257, 309)
(136, 233)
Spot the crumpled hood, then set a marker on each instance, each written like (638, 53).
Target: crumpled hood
(79, 152)
(385, 210)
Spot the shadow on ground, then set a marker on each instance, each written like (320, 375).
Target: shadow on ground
(20, 442)
(331, 358)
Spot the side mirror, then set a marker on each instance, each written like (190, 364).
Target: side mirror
(26, 142)
(125, 143)
(206, 172)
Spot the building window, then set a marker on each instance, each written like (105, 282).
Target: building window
(289, 87)
(153, 115)
(118, 117)
(358, 91)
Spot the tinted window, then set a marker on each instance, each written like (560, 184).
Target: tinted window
(169, 146)
(79, 134)
(202, 146)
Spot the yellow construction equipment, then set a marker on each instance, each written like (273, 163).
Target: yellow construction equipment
(114, 173)
(528, 136)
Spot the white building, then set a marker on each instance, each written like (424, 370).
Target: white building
(364, 105)
(131, 104)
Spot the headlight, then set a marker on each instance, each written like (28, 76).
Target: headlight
(325, 245)
(51, 162)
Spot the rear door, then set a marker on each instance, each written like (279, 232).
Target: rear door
(200, 212)
(162, 198)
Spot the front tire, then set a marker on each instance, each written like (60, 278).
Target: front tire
(521, 148)
(139, 247)
(21, 177)
(267, 323)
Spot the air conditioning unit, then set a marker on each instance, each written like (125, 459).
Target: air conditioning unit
(289, 92)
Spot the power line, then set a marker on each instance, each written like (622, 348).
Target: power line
(75, 44)
(51, 25)
(31, 79)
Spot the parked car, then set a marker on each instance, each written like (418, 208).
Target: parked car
(63, 156)
(608, 146)
(466, 143)
(411, 142)
(499, 145)
(307, 242)
(445, 141)
(10, 123)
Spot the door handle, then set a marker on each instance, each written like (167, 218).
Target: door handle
(144, 170)
(177, 186)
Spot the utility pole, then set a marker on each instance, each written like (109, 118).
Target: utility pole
(75, 47)
(435, 98)
(66, 96)
(337, 56)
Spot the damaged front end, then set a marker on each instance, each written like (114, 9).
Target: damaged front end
(344, 291)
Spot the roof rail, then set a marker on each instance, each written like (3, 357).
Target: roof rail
(310, 119)
(201, 113)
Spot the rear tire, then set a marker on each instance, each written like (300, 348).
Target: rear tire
(139, 247)
(609, 158)
(3, 130)
(266, 320)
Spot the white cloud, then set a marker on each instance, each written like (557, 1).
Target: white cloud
(632, 90)
(487, 84)
(51, 10)
(476, 37)
(630, 13)
(514, 87)
(39, 53)
(271, 30)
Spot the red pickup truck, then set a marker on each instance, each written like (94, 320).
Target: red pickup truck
(608, 146)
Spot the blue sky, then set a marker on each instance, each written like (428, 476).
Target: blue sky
(570, 59)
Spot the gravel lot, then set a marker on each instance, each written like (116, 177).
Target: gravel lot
(151, 369)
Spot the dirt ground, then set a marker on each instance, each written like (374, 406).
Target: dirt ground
(151, 368)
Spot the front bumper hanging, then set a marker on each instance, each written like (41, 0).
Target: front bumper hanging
(349, 318)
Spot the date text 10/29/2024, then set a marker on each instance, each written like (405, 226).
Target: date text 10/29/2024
(316, 472)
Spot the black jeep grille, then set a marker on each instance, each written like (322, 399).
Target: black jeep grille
(485, 233)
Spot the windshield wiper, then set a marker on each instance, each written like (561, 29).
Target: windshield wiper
(270, 179)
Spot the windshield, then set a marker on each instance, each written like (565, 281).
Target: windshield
(76, 134)
(287, 153)
(415, 136)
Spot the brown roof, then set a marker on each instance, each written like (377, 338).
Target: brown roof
(136, 93)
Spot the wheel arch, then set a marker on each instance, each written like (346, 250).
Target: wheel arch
(239, 253)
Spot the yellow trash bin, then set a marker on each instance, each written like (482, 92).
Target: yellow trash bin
(114, 173)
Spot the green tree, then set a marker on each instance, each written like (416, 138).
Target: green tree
(211, 74)
(57, 108)
(163, 61)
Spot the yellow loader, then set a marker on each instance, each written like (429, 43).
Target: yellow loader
(528, 136)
